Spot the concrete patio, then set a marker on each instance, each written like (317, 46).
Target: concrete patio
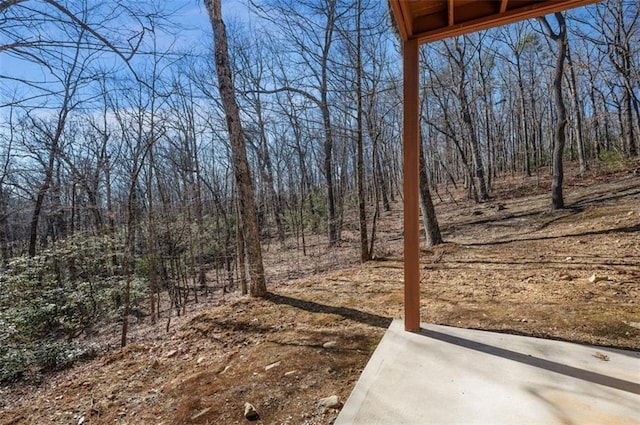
(445, 375)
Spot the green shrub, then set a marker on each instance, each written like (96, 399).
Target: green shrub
(17, 361)
(48, 300)
(612, 161)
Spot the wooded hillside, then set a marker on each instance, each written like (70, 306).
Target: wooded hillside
(117, 185)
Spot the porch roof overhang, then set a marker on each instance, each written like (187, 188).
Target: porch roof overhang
(431, 20)
(422, 21)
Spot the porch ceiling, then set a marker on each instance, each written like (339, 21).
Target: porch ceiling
(431, 20)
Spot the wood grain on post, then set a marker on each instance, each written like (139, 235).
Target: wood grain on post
(411, 187)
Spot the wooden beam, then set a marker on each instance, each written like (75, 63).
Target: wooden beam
(400, 19)
(404, 17)
(508, 17)
(410, 155)
(414, 26)
(503, 6)
(408, 16)
(450, 12)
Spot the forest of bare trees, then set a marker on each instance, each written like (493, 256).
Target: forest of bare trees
(118, 181)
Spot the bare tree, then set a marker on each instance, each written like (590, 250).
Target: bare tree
(577, 111)
(313, 36)
(519, 41)
(618, 23)
(251, 72)
(560, 38)
(458, 55)
(30, 31)
(365, 253)
(429, 218)
(5, 162)
(240, 164)
(71, 77)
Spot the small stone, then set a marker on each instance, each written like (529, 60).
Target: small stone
(171, 353)
(332, 402)
(81, 420)
(272, 365)
(154, 364)
(568, 259)
(200, 360)
(289, 373)
(329, 344)
(250, 412)
(594, 278)
(601, 356)
(566, 277)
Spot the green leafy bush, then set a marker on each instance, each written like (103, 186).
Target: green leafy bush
(612, 161)
(48, 300)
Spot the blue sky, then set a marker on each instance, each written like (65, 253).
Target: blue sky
(194, 16)
(190, 16)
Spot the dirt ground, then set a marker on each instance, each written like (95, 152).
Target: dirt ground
(509, 265)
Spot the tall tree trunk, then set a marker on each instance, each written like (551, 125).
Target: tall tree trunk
(4, 246)
(151, 241)
(111, 214)
(476, 156)
(42, 192)
(522, 119)
(127, 268)
(238, 151)
(332, 219)
(37, 209)
(267, 173)
(489, 118)
(429, 219)
(58, 221)
(382, 185)
(129, 253)
(582, 154)
(197, 195)
(373, 130)
(557, 200)
(629, 136)
(365, 255)
(242, 271)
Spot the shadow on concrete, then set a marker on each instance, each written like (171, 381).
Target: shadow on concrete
(346, 312)
(574, 372)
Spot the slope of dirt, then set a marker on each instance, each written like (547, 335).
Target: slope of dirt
(514, 267)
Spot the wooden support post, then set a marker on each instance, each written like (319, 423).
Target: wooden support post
(411, 187)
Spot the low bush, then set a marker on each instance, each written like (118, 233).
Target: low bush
(48, 300)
